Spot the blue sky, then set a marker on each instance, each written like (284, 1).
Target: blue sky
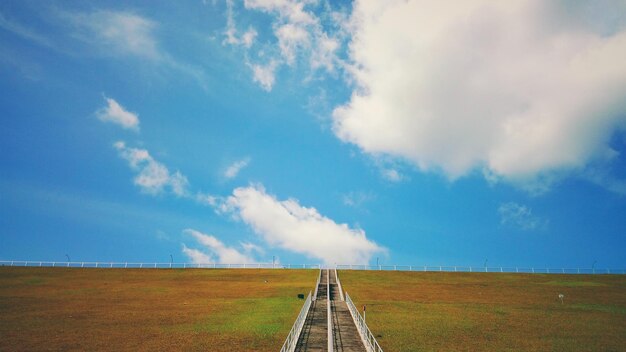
(316, 132)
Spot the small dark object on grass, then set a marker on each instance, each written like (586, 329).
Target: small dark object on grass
(301, 295)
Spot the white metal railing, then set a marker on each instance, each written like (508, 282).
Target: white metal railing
(482, 269)
(331, 341)
(339, 286)
(442, 268)
(140, 265)
(371, 345)
(317, 284)
(296, 329)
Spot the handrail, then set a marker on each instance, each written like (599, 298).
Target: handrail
(425, 268)
(483, 269)
(296, 329)
(339, 285)
(317, 284)
(153, 265)
(371, 345)
(331, 341)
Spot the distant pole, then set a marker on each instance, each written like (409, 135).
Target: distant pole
(593, 267)
(376, 261)
(68, 258)
(171, 260)
(273, 261)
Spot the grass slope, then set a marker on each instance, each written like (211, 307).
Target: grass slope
(410, 311)
(57, 309)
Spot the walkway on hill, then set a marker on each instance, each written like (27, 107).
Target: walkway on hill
(314, 335)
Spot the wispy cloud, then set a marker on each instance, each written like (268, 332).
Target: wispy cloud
(196, 256)
(233, 170)
(218, 252)
(232, 38)
(118, 32)
(152, 176)
(357, 199)
(264, 75)
(288, 225)
(519, 216)
(392, 175)
(23, 31)
(300, 38)
(116, 114)
(126, 34)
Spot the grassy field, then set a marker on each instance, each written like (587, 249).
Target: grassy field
(491, 312)
(57, 309)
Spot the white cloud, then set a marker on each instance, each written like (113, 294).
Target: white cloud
(291, 37)
(116, 113)
(249, 248)
(152, 176)
(24, 32)
(391, 175)
(207, 199)
(264, 75)
(247, 39)
(120, 32)
(233, 170)
(517, 88)
(519, 216)
(300, 35)
(357, 199)
(217, 249)
(290, 226)
(197, 256)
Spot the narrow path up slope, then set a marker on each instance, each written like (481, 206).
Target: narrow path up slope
(345, 335)
(314, 335)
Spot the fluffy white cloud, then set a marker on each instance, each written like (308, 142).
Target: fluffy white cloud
(152, 176)
(218, 250)
(116, 114)
(519, 88)
(290, 226)
(520, 216)
(233, 170)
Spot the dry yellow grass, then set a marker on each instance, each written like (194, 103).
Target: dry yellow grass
(410, 311)
(55, 309)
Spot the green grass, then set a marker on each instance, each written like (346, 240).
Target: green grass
(58, 309)
(491, 312)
